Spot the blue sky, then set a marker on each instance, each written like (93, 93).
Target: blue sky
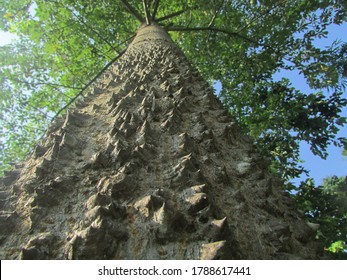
(335, 164)
(6, 38)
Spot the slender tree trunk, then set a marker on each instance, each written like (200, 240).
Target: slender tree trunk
(149, 166)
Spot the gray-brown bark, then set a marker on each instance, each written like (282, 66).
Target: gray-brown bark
(149, 166)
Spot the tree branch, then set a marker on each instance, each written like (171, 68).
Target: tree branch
(155, 9)
(215, 29)
(212, 20)
(95, 31)
(171, 15)
(40, 83)
(87, 85)
(26, 103)
(132, 11)
(216, 13)
(147, 13)
(91, 82)
(257, 17)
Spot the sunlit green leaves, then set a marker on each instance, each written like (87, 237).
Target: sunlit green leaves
(326, 205)
(338, 247)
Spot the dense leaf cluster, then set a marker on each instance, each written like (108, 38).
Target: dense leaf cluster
(326, 205)
(243, 44)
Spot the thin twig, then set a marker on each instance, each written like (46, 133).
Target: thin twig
(213, 19)
(216, 13)
(132, 11)
(95, 31)
(82, 20)
(171, 15)
(257, 17)
(39, 83)
(91, 82)
(211, 28)
(104, 54)
(87, 85)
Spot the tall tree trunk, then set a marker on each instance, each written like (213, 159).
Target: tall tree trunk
(149, 166)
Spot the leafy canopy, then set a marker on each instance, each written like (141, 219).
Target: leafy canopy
(64, 44)
(326, 205)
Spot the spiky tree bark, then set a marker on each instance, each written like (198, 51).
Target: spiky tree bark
(149, 166)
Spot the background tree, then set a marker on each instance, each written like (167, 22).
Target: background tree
(344, 152)
(326, 205)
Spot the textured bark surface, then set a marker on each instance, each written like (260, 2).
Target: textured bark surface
(149, 166)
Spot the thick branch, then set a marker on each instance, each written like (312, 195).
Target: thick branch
(155, 9)
(132, 11)
(148, 16)
(171, 15)
(215, 29)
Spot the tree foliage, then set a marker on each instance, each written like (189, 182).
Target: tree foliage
(243, 44)
(344, 152)
(326, 205)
